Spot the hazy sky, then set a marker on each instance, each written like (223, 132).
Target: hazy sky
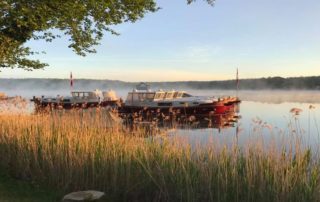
(198, 42)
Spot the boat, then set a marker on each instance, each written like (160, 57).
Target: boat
(78, 99)
(144, 100)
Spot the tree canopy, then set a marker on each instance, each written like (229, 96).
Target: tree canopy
(84, 21)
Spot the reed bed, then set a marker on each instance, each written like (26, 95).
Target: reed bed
(88, 150)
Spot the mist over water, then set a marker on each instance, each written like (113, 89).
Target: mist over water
(53, 87)
(265, 96)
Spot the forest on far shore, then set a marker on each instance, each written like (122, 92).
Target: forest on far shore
(279, 83)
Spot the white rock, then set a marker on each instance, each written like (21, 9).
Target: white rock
(89, 195)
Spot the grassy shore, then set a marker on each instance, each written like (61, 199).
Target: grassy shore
(13, 190)
(77, 151)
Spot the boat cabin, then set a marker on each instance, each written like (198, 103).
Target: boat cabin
(86, 94)
(145, 96)
(142, 96)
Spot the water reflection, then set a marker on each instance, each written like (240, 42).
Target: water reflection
(265, 117)
(263, 123)
(177, 119)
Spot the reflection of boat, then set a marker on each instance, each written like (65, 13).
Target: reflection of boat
(180, 120)
(221, 121)
(143, 98)
(78, 99)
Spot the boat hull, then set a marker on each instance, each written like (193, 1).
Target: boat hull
(204, 110)
(39, 105)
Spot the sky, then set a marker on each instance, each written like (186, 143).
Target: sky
(182, 42)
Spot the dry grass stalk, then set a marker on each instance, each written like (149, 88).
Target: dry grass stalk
(86, 150)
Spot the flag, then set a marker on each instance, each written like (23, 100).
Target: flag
(71, 80)
(237, 79)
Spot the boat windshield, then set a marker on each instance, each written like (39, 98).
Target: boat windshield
(140, 96)
(159, 95)
(169, 95)
(177, 94)
(83, 94)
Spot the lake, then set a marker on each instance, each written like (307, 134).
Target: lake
(263, 122)
(264, 115)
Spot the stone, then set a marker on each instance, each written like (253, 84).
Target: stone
(89, 195)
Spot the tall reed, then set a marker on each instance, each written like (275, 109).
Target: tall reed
(87, 150)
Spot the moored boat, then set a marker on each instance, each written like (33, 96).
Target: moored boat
(78, 99)
(142, 98)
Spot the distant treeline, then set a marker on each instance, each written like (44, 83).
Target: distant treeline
(303, 83)
(307, 83)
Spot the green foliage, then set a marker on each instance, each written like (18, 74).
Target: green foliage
(84, 21)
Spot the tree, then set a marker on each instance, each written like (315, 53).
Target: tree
(84, 21)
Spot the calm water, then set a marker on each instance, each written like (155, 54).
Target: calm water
(265, 115)
(265, 118)
(263, 122)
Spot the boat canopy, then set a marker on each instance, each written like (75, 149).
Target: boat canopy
(143, 86)
(86, 94)
(141, 96)
(142, 93)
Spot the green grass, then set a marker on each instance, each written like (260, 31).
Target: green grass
(13, 190)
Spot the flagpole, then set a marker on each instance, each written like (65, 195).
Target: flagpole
(71, 82)
(237, 82)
